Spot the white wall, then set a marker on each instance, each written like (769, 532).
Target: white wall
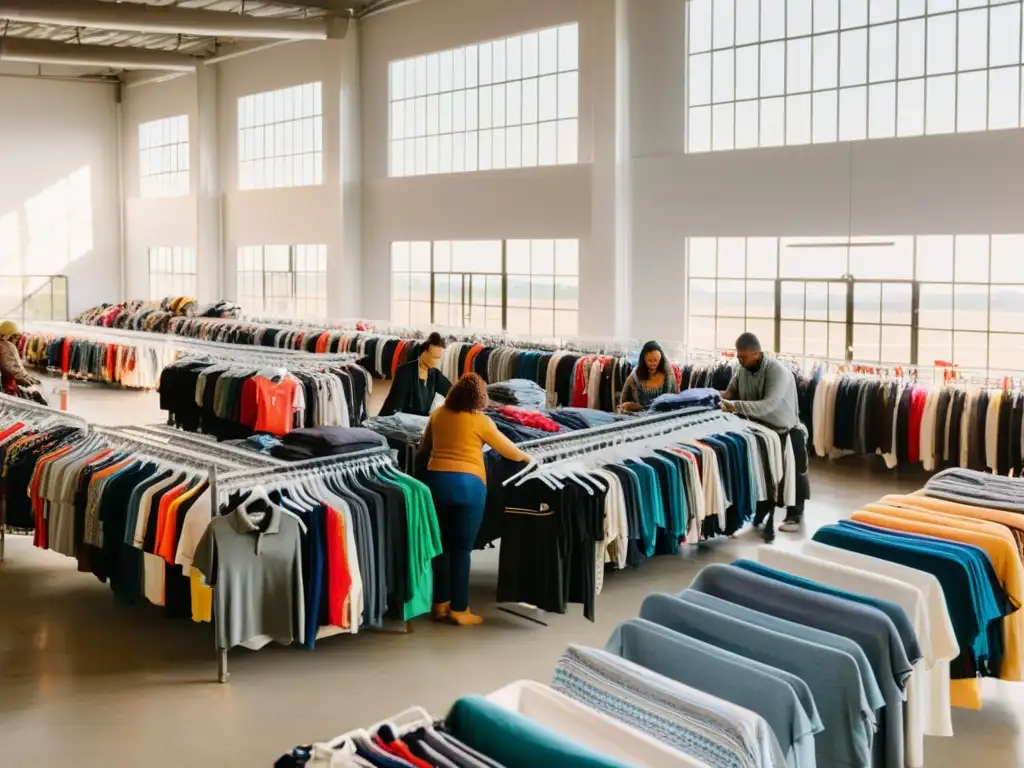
(957, 184)
(561, 201)
(217, 217)
(151, 222)
(49, 222)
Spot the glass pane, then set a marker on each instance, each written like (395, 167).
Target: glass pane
(936, 306)
(972, 258)
(791, 300)
(816, 339)
(935, 258)
(702, 297)
(867, 302)
(731, 301)
(762, 257)
(970, 350)
(933, 346)
(970, 307)
(867, 343)
(731, 257)
(1006, 309)
(837, 296)
(895, 344)
(897, 304)
(761, 298)
(791, 341)
(1007, 252)
(701, 256)
(816, 306)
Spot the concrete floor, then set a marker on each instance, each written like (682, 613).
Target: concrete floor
(85, 682)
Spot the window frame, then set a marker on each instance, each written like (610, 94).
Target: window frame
(280, 138)
(294, 291)
(937, 269)
(165, 157)
(173, 271)
(507, 103)
(931, 90)
(438, 263)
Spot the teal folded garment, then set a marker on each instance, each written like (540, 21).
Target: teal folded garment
(516, 741)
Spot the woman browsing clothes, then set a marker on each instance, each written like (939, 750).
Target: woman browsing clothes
(417, 382)
(652, 377)
(454, 441)
(15, 379)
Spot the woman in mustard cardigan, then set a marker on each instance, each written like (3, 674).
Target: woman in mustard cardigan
(454, 440)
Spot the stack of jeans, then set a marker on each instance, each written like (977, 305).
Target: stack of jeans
(521, 392)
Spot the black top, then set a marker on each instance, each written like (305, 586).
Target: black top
(410, 394)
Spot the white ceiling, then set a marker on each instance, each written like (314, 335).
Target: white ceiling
(21, 32)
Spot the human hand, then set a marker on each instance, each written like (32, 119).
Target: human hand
(728, 406)
(630, 407)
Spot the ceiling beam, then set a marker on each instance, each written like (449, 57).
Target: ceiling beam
(341, 7)
(73, 54)
(135, 17)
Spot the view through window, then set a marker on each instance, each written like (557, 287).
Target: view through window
(907, 299)
(528, 287)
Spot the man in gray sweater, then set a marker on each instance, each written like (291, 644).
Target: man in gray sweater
(764, 390)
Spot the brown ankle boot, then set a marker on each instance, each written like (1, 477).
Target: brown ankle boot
(441, 611)
(465, 618)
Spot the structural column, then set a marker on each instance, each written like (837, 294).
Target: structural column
(655, 77)
(210, 260)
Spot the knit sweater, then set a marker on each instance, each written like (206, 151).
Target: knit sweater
(767, 395)
(456, 440)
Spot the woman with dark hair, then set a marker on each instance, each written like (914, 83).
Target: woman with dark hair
(652, 376)
(417, 382)
(454, 440)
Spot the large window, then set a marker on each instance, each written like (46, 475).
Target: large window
(765, 73)
(923, 299)
(163, 157)
(283, 279)
(280, 138)
(172, 272)
(509, 103)
(528, 287)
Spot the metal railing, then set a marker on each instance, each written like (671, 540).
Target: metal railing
(28, 298)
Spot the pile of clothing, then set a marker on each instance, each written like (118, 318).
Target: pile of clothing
(405, 427)
(521, 392)
(141, 315)
(314, 442)
(689, 398)
(222, 309)
(582, 418)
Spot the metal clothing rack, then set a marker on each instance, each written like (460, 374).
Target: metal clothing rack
(37, 415)
(627, 430)
(185, 345)
(223, 484)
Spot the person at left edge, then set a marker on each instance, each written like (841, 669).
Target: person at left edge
(417, 382)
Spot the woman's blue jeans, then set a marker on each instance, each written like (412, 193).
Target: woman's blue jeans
(460, 499)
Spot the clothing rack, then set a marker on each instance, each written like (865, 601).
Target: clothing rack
(37, 415)
(188, 346)
(177, 438)
(596, 439)
(223, 484)
(637, 425)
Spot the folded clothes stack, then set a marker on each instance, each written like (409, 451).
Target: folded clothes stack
(688, 398)
(521, 392)
(313, 442)
(581, 418)
(406, 427)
